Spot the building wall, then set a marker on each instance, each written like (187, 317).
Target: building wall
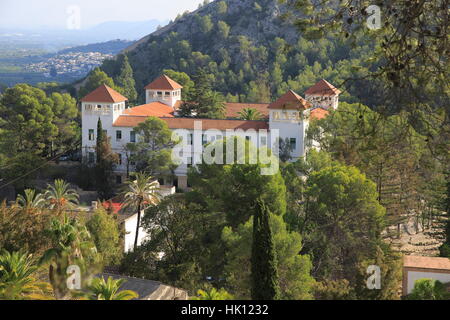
(326, 102)
(161, 96)
(411, 275)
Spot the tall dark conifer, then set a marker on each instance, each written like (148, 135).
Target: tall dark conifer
(100, 137)
(264, 263)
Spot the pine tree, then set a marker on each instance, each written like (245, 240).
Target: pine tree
(264, 265)
(125, 80)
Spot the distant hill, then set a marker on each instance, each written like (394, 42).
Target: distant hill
(110, 47)
(251, 51)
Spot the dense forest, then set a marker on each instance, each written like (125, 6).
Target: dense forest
(251, 53)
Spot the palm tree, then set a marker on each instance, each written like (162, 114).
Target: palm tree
(250, 114)
(213, 294)
(60, 196)
(99, 289)
(30, 200)
(140, 194)
(70, 239)
(17, 278)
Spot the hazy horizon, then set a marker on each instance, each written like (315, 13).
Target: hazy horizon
(55, 14)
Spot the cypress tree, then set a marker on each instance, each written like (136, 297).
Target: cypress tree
(264, 263)
(100, 137)
(125, 80)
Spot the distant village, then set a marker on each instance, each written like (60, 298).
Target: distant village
(74, 63)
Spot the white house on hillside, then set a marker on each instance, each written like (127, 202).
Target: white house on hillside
(289, 116)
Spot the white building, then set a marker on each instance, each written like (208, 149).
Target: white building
(290, 115)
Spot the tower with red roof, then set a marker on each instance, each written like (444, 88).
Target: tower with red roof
(165, 90)
(323, 95)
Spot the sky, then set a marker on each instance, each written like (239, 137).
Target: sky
(34, 14)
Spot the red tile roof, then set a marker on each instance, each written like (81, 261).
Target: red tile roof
(323, 87)
(233, 109)
(104, 94)
(153, 109)
(163, 83)
(426, 262)
(188, 123)
(318, 113)
(290, 100)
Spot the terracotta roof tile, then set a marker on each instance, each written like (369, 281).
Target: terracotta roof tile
(163, 83)
(318, 113)
(426, 262)
(290, 100)
(233, 109)
(104, 94)
(188, 123)
(154, 109)
(323, 87)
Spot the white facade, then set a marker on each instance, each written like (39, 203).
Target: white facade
(169, 97)
(327, 102)
(289, 124)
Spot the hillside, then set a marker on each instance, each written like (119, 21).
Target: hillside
(251, 52)
(109, 47)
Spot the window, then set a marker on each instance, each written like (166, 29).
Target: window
(263, 141)
(293, 143)
(276, 115)
(189, 162)
(167, 94)
(118, 135)
(119, 179)
(160, 93)
(204, 139)
(119, 159)
(248, 138)
(132, 136)
(91, 135)
(91, 157)
(189, 139)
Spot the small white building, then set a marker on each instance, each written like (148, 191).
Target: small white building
(288, 116)
(418, 267)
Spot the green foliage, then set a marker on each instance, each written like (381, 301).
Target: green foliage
(97, 78)
(183, 79)
(126, 81)
(341, 208)
(224, 29)
(183, 231)
(22, 229)
(429, 289)
(71, 245)
(233, 188)
(140, 193)
(203, 102)
(294, 269)
(250, 114)
(101, 289)
(264, 272)
(213, 294)
(18, 278)
(390, 152)
(60, 196)
(153, 152)
(106, 234)
(34, 126)
(106, 162)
